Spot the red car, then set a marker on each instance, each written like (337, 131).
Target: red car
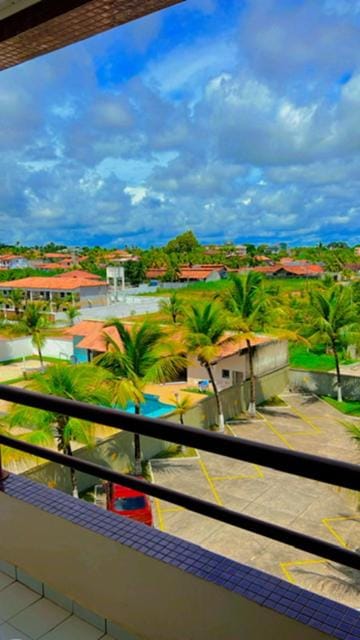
(129, 503)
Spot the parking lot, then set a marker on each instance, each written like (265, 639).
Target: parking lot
(305, 424)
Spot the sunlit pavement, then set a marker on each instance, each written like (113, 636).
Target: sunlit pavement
(305, 424)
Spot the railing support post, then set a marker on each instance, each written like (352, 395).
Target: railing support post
(3, 474)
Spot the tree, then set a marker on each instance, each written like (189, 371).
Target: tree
(16, 298)
(183, 243)
(139, 356)
(247, 299)
(172, 307)
(72, 312)
(85, 383)
(182, 406)
(335, 320)
(134, 272)
(35, 324)
(206, 326)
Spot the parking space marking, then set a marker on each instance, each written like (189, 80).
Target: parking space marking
(159, 514)
(333, 531)
(285, 567)
(210, 482)
(277, 433)
(242, 476)
(259, 471)
(306, 419)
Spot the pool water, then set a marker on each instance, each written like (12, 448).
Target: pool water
(152, 407)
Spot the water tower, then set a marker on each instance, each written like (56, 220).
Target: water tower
(115, 277)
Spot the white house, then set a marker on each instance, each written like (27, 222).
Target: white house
(232, 364)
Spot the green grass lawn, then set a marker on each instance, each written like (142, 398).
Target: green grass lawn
(349, 408)
(302, 357)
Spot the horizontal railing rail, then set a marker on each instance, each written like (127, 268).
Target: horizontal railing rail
(336, 472)
(305, 465)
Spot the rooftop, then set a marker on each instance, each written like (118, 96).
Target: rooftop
(29, 28)
(56, 283)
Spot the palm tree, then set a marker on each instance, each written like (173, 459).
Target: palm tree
(35, 324)
(16, 298)
(247, 300)
(182, 406)
(335, 320)
(206, 326)
(72, 312)
(137, 357)
(172, 307)
(85, 383)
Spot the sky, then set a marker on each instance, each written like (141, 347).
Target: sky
(239, 119)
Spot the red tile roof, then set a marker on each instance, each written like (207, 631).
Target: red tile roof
(230, 347)
(61, 256)
(79, 273)
(156, 272)
(92, 333)
(57, 283)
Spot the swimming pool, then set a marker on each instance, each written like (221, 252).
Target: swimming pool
(152, 407)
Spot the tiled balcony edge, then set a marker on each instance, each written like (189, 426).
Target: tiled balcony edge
(287, 599)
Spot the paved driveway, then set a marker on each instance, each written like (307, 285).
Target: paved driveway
(306, 424)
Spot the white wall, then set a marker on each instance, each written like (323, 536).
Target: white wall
(22, 347)
(234, 363)
(268, 357)
(58, 348)
(18, 348)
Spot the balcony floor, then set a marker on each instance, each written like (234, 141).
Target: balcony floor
(26, 615)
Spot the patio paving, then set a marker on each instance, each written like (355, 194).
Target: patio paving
(305, 424)
(26, 615)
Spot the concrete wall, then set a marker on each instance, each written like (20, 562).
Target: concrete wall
(271, 356)
(147, 598)
(17, 348)
(323, 383)
(93, 296)
(22, 347)
(236, 399)
(115, 452)
(126, 306)
(57, 348)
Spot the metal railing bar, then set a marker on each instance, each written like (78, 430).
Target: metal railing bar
(305, 465)
(269, 530)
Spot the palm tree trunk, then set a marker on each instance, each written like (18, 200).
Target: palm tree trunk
(65, 447)
(182, 446)
(217, 398)
(252, 403)
(40, 357)
(137, 446)
(338, 375)
(74, 484)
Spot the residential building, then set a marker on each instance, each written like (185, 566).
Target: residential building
(231, 365)
(89, 339)
(202, 273)
(85, 289)
(191, 273)
(287, 270)
(11, 261)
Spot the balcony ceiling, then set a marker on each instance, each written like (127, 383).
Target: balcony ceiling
(29, 28)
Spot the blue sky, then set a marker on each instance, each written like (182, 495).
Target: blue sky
(236, 118)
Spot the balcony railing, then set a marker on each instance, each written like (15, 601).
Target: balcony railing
(334, 472)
